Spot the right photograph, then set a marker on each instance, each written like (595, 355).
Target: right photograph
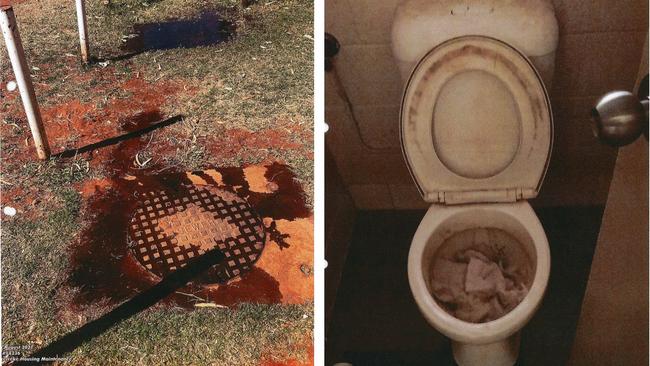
(486, 171)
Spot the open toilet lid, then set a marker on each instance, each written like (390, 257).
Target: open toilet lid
(476, 123)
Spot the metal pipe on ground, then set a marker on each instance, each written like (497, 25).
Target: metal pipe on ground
(83, 29)
(23, 78)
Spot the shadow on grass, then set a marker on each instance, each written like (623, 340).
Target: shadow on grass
(138, 303)
(206, 29)
(114, 140)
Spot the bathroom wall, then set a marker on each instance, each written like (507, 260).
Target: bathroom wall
(600, 48)
(613, 325)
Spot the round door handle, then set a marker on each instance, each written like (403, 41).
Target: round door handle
(619, 118)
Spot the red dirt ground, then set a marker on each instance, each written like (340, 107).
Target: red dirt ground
(73, 125)
(283, 274)
(104, 268)
(271, 281)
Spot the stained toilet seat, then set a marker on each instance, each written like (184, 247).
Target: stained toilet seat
(476, 123)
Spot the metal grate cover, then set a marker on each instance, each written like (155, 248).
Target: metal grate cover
(170, 227)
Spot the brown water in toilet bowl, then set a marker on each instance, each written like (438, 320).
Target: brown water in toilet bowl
(479, 275)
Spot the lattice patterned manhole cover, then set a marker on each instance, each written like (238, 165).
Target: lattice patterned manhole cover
(169, 228)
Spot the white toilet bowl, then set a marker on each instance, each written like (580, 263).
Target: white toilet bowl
(496, 342)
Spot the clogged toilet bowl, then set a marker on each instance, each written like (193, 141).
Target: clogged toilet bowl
(480, 274)
(448, 230)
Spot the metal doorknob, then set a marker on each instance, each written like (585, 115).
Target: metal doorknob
(619, 118)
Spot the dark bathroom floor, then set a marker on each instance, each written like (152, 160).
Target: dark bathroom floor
(376, 322)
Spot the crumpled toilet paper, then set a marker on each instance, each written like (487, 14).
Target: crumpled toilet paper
(476, 288)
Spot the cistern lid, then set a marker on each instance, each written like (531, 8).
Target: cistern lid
(476, 123)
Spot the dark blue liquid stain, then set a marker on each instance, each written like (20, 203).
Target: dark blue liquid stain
(208, 29)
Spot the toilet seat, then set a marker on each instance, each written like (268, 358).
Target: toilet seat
(476, 123)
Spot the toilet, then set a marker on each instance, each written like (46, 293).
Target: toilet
(476, 132)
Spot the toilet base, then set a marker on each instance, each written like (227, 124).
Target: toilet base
(503, 353)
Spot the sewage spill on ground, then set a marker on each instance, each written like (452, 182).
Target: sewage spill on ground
(207, 29)
(104, 266)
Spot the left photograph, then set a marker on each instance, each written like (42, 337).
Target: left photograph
(156, 182)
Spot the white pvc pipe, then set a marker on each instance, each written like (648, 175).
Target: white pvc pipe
(24, 80)
(83, 29)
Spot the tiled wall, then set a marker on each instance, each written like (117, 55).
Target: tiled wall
(601, 43)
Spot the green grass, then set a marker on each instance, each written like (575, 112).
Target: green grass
(35, 300)
(50, 182)
(265, 71)
(261, 79)
(34, 265)
(239, 336)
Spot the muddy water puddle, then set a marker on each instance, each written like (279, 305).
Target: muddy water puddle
(104, 264)
(208, 28)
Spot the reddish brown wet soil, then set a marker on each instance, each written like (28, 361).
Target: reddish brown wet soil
(102, 266)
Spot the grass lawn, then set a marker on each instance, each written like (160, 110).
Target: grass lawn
(244, 101)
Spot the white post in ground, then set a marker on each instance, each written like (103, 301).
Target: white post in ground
(23, 79)
(83, 29)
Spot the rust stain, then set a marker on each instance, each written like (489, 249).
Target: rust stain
(470, 49)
